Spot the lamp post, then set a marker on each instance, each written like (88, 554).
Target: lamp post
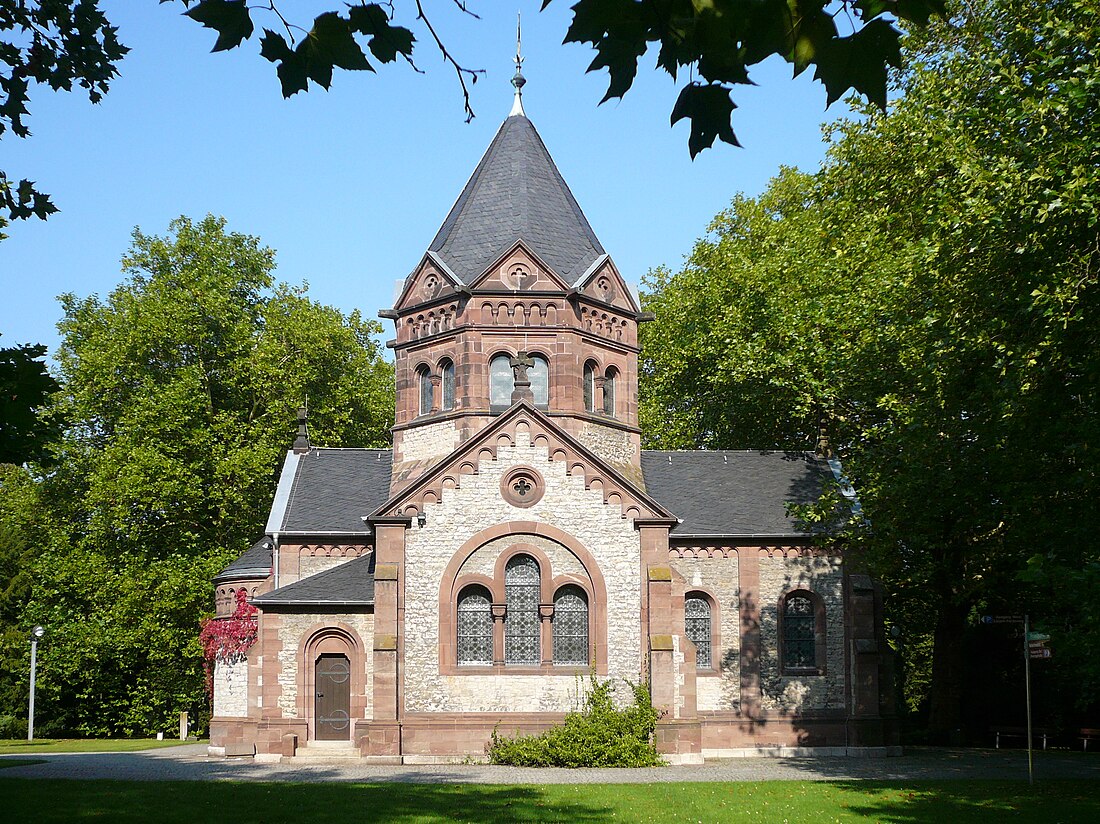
(36, 636)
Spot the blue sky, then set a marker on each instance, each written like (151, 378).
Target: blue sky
(350, 185)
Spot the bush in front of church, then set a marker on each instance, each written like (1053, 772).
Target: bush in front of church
(600, 735)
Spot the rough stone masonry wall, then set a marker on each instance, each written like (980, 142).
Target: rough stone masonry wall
(820, 574)
(613, 445)
(717, 577)
(292, 632)
(231, 689)
(433, 440)
(476, 505)
(562, 561)
(312, 564)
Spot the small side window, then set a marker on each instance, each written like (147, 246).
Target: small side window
(802, 633)
(424, 380)
(590, 387)
(447, 371)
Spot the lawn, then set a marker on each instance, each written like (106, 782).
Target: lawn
(48, 745)
(946, 802)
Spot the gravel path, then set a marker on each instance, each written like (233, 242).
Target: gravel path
(190, 763)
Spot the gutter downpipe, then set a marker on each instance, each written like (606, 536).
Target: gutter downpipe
(275, 556)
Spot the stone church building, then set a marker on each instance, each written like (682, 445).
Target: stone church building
(517, 539)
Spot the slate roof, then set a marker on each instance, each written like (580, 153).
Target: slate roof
(254, 562)
(349, 584)
(330, 490)
(516, 192)
(729, 493)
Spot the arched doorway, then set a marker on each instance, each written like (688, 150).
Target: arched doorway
(332, 697)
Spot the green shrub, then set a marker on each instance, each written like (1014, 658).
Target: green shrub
(600, 735)
(12, 726)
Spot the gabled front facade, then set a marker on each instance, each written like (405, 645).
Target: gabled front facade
(517, 539)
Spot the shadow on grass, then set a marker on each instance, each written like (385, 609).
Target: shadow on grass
(964, 802)
(29, 800)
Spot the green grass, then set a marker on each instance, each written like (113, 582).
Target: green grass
(943, 802)
(48, 745)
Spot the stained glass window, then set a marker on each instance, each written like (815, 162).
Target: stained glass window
(521, 624)
(475, 627)
(590, 387)
(448, 370)
(571, 626)
(798, 632)
(697, 627)
(500, 382)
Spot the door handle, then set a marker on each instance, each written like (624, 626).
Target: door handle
(320, 695)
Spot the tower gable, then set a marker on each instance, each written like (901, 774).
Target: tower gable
(431, 280)
(603, 283)
(519, 270)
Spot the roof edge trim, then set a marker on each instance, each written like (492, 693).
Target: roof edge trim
(282, 494)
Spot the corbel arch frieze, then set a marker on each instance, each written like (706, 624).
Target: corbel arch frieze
(331, 550)
(702, 551)
(616, 491)
(792, 552)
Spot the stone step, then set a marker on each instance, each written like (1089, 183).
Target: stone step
(327, 752)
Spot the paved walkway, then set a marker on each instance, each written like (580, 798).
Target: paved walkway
(190, 763)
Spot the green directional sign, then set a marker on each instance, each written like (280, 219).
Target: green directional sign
(1038, 636)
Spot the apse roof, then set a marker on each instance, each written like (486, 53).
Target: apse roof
(254, 562)
(516, 193)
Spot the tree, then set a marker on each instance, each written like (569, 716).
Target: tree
(62, 42)
(180, 392)
(18, 530)
(928, 302)
(25, 386)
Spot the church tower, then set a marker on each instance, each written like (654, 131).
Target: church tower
(515, 299)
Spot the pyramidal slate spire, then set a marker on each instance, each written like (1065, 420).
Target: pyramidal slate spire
(516, 193)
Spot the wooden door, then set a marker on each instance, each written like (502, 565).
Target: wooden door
(333, 697)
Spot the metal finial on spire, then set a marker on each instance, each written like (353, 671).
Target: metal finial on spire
(518, 79)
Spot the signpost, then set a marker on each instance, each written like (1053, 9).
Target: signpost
(1035, 646)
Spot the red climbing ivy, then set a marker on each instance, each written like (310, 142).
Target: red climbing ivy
(227, 639)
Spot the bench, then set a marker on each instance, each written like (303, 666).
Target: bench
(1020, 732)
(1087, 735)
